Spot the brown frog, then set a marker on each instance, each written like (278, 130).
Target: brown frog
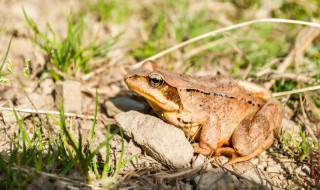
(223, 115)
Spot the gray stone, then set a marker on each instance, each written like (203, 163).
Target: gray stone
(162, 141)
(70, 93)
(218, 179)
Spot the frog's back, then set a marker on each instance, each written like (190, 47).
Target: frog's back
(211, 86)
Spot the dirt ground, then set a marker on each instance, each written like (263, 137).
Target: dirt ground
(275, 168)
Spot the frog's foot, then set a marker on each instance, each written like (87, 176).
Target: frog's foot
(235, 157)
(204, 150)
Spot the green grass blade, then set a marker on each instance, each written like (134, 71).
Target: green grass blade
(4, 58)
(30, 22)
(67, 167)
(91, 135)
(64, 129)
(106, 166)
(96, 151)
(3, 165)
(120, 164)
(76, 147)
(24, 133)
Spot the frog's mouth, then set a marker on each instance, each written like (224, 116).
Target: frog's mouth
(154, 96)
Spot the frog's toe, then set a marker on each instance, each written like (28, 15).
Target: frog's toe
(206, 151)
(232, 153)
(236, 159)
(225, 150)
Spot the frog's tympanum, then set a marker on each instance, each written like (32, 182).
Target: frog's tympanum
(223, 115)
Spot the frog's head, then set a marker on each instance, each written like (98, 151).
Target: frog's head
(150, 82)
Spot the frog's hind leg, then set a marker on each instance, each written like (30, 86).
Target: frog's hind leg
(254, 136)
(236, 157)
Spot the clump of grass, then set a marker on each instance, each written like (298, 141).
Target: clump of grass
(165, 26)
(299, 147)
(112, 10)
(57, 155)
(298, 10)
(70, 54)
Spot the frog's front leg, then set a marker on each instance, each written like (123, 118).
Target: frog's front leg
(251, 138)
(209, 136)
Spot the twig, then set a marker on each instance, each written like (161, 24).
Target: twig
(292, 76)
(53, 113)
(228, 28)
(312, 88)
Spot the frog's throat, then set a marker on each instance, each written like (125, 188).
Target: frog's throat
(158, 105)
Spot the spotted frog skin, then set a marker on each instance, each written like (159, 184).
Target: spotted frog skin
(221, 114)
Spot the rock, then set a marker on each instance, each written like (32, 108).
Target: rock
(37, 100)
(199, 160)
(70, 93)
(274, 169)
(253, 176)
(47, 86)
(217, 179)
(162, 141)
(133, 148)
(186, 186)
(248, 171)
(124, 104)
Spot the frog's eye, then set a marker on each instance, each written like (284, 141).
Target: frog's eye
(155, 80)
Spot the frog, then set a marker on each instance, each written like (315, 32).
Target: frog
(220, 114)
